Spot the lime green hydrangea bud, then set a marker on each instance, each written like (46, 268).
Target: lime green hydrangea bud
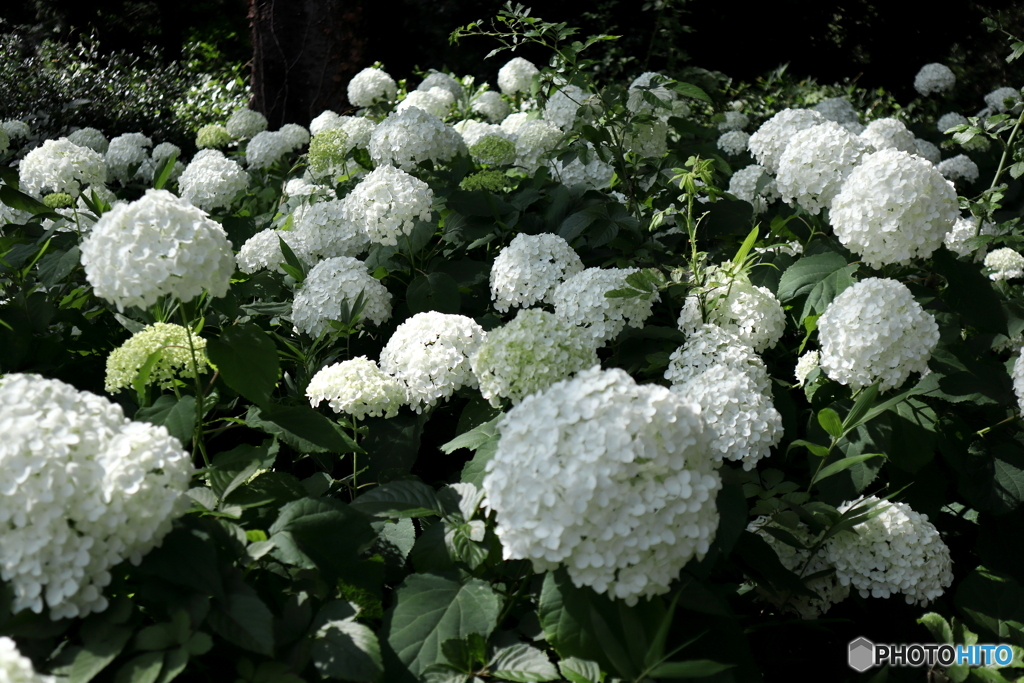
(59, 200)
(328, 152)
(212, 136)
(172, 341)
(494, 150)
(492, 181)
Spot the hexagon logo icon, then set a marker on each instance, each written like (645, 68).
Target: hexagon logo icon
(861, 654)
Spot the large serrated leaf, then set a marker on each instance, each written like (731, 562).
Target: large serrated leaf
(403, 498)
(801, 277)
(243, 619)
(177, 415)
(522, 663)
(347, 650)
(302, 526)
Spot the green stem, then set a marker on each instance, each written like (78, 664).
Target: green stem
(1006, 150)
(197, 431)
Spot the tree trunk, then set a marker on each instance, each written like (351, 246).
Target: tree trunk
(304, 53)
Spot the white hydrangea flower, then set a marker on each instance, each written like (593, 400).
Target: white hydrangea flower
(19, 130)
(263, 250)
(492, 105)
(898, 551)
(535, 139)
(770, 140)
(125, 155)
(266, 148)
(853, 127)
(648, 139)
(514, 121)
(429, 354)
(327, 230)
(837, 109)
(473, 132)
(562, 106)
(244, 124)
(1018, 382)
(411, 136)
(595, 173)
(157, 245)
(516, 76)
(438, 79)
(815, 163)
(960, 167)
(302, 187)
(996, 100)
(325, 120)
(734, 120)
(927, 150)
(805, 365)
(709, 345)
(636, 102)
(1004, 264)
(894, 207)
(211, 180)
(733, 142)
(172, 341)
(950, 120)
(933, 78)
(743, 184)
(84, 488)
(371, 86)
(889, 134)
(436, 101)
(14, 668)
(751, 313)
(356, 387)
(581, 300)
(387, 203)
(61, 166)
(529, 354)
(829, 588)
(963, 230)
(359, 129)
(529, 269)
(331, 282)
(609, 478)
(91, 138)
(875, 331)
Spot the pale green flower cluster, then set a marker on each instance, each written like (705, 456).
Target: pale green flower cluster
(124, 362)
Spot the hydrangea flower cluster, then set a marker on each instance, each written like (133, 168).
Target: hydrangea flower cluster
(636, 102)
(212, 136)
(328, 153)
(950, 120)
(516, 76)
(609, 478)
(898, 551)
(529, 269)
(581, 300)
(61, 166)
(960, 167)
(529, 354)
(709, 345)
(155, 246)
(595, 173)
(751, 313)
(15, 668)
(933, 78)
(889, 134)
(439, 79)
(495, 150)
(963, 230)
(535, 139)
(894, 207)
(875, 331)
(770, 140)
(91, 138)
(356, 387)
(492, 105)
(815, 163)
(743, 184)
(436, 101)
(429, 354)
(411, 136)
(1004, 264)
(734, 120)
(211, 180)
(387, 203)
(263, 250)
(805, 365)
(331, 282)
(325, 230)
(648, 139)
(996, 100)
(267, 147)
(837, 109)
(125, 155)
(244, 124)
(733, 142)
(172, 341)
(516, 120)
(370, 86)
(473, 132)
(84, 489)
(562, 107)
(1018, 382)
(927, 150)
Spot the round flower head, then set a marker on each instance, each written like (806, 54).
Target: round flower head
(371, 86)
(1004, 264)
(14, 668)
(328, 153)
(212, 136)
(581, 300)
(157, 245)
(495, 150)
(473, 132)
(894, 207)
(733, 142)
(889, 134)
(19, 130)
(638, 104)
(950, 120)
(875, 331)
(516, 76)
(963, 230)
(91, 138)
(266, 148)
(563, 105)
(708, 346)
(751, 313)
(325, 120)
(743, 184)
(387, 203)
(411, 136)
(933, 78)
(959, 167)
(898, 551)
(529, 354)
(295, 135)
(61, 166)
(770, 140)
(815, 163)
(996, 100)
(805, 365)
(535, 139)
(734, 120)
(125, 155)
(429, 354)
(609, 478)
(326, 230)
(212, 181)
(491, 105)
(331, 282)
(1018, 382)
(84, 488)
(927, 150)
(436, 101)
(438, 79)
(594, 174)
(529, 268)
(513, 122)
(263, 250)
(172, 341)
(829, 589)
(356, 387)
(359, 130)
(837, 109)
(244, 124)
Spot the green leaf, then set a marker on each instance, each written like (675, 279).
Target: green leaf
(292, 265)
(164, 171)
(994, 602)
(403, 498)
(177, 415)
(473, 472)
(830, 422)
(465, 654)
(302, 428)
(843, 464)
(860, 408)
(474, 438)
(689, 90)
(697, 668)
(347, 650)
(939, 627)
(745, 248)
(247, 360)
(816, 449)
(657, 650)
(573, 226)
(434, 292)
(801, 277)
(187, 557)
(141, 379)
(23, 202)
(522, 663)
(96, 654)
(56, 266)
(243, 619)
(577, 670)
(970, 293)
(302, 526)
(267, 488)
(430, 609)
(831, 286)
(143, 669)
